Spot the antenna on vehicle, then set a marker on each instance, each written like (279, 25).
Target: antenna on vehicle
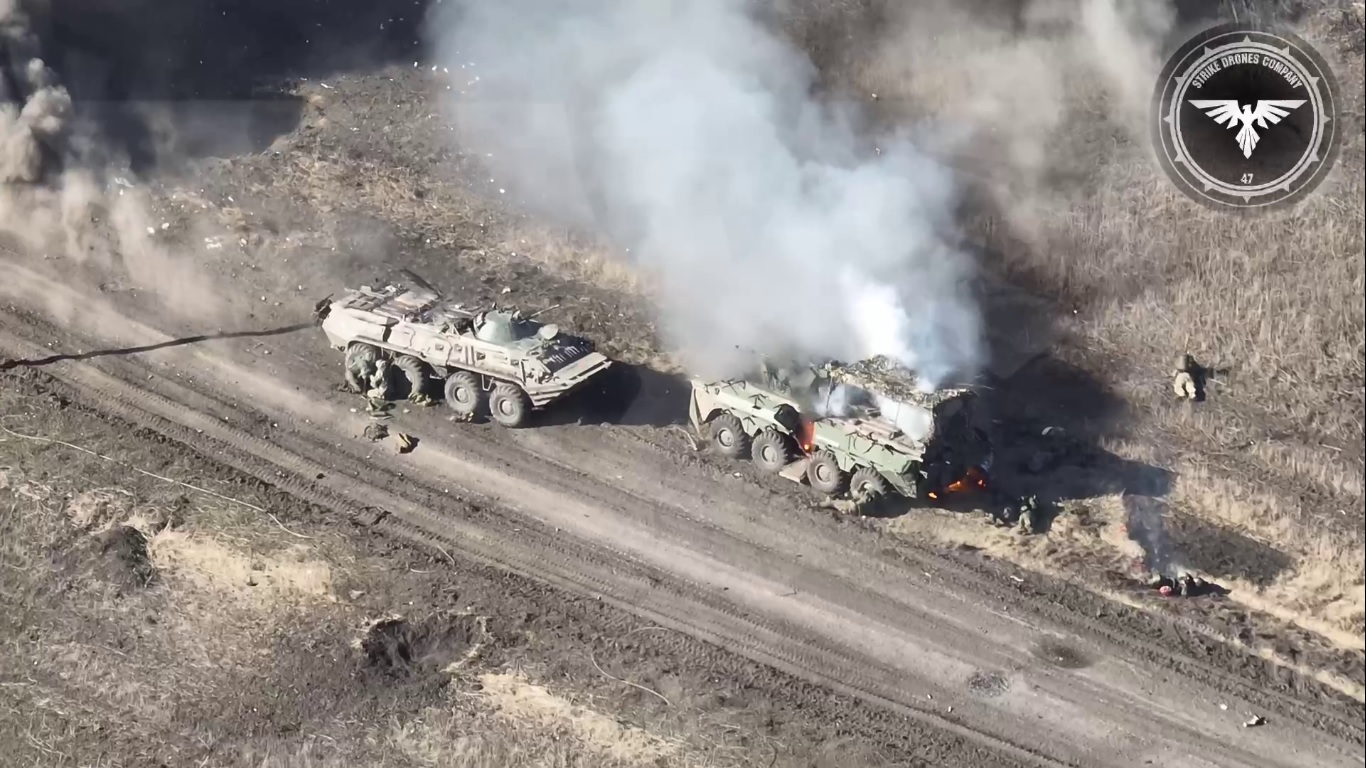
(539, 311)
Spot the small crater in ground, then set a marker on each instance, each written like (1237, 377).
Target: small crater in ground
(988, 684)
(402, 648)
(122, 557)
(1060, 655)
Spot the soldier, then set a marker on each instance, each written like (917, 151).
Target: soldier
(1029, 512)
(1184, 382)
(379, 381)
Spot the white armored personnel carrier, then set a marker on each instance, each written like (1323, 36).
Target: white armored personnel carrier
(494, 360)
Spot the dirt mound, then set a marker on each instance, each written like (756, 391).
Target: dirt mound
(401, 647)
(122, 557)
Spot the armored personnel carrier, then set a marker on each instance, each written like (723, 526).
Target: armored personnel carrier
(494, 360)
(863, 429)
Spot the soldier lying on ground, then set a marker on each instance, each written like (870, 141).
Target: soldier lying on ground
(1185, 585)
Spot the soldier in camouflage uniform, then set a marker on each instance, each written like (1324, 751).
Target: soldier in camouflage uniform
(1184, 382)
(379, 382)
(1029, 515)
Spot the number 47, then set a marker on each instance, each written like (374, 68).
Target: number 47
(1246, 179)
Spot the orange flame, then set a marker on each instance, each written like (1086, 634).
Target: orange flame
(975, 478)
(806, 435)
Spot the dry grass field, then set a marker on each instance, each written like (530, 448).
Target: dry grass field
(1071, 206)
(186, 615)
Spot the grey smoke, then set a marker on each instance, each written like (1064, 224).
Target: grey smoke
(34, 107)
(58, 207)
(1146, 528)
(688, 132)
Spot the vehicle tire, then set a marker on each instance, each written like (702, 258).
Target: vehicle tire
(867, 485)
(825, 475)
(771, 451)
(508, 404)
(728, 436)
(415, 371)
(463, 393)
(360, 363)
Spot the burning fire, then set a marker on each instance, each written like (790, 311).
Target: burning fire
(975, 479)
(807, 435)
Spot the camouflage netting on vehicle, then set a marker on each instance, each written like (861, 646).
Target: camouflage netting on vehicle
(882, 376)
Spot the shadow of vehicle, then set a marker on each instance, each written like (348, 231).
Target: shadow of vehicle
(49, 360)
(626, 395)
(1051, 418)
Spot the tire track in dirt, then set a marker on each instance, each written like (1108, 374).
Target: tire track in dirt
(368, 492)
(542, 556)
(603, 496)
(1342, 722)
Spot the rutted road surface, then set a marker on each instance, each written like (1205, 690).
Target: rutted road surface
(603, 512)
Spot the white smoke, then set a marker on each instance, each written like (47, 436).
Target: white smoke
(843, 401)
(691, 132)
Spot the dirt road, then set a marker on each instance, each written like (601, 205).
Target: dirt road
(998, 671)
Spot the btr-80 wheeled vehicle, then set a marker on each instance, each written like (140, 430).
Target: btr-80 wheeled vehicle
(492, 359)
(863, 429)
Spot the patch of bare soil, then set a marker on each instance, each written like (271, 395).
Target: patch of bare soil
(243, 649)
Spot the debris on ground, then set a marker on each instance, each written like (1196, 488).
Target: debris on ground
(1254, 721)
(378, 407)
(842, 506)
(421, 399)
(376, 432)
(406, 443)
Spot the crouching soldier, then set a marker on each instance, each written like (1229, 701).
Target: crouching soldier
(1184, 382)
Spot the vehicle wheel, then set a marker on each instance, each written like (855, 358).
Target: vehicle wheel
(867, 485)
(825, 475)
(729, 437)
(508, 404)
(771, 451)
(415, 371)
(360, 363)
(463, 394)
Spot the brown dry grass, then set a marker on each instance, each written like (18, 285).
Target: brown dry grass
(1088, 538)
(1078, 211)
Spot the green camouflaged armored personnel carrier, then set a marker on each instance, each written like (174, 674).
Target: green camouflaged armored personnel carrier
(497, 360)
(864, 429)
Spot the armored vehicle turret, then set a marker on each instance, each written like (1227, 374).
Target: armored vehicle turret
(497, 360)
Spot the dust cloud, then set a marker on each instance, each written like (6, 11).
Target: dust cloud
(689, 133)
(63, 203)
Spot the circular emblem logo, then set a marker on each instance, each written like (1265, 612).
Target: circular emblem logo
(1246, 119)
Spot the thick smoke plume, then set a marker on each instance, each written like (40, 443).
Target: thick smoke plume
(689, 132)
(60, 198)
